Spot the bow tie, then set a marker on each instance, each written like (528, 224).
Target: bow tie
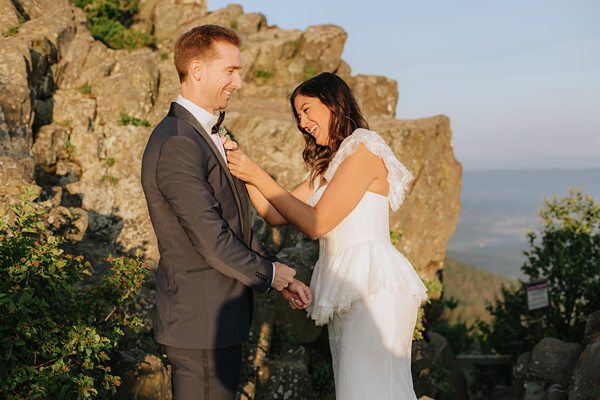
(215, 128)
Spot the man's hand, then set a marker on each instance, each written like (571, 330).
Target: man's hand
(298, 295)
(284, 275)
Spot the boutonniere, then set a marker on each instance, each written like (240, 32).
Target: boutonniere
(228, 142)
(223, 133)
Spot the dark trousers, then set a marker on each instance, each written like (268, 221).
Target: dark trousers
(205, 374)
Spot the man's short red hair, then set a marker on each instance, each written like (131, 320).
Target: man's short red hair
(197, 43)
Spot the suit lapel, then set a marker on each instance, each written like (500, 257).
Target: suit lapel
(181, 113)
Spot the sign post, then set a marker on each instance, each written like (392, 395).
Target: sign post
(537, 301)
(537, 295)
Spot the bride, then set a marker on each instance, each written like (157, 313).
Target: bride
(363, 288)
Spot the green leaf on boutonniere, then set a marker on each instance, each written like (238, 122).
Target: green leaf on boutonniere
(223, 133)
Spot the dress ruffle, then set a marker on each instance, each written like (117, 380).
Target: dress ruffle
(398, 176)
(355, 273)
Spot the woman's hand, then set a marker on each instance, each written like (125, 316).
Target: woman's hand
(242, 166)
(298, 295)
(229, 144)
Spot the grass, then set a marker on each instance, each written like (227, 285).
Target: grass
(310, 72)
(110, 162)
(12, 31)
(127, 119)
(263, 73)
(70, 150)
(109, 179)
(85, 88)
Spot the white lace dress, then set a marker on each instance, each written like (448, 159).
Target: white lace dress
(365, 290)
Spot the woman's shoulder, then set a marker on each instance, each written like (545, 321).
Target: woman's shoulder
(398, 176)
(349, 146)
(369, 139)
(361, 135)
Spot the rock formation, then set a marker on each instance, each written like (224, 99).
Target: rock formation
(75, 116)
(65, 95)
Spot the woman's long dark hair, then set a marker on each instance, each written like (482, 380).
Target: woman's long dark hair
(346, 117)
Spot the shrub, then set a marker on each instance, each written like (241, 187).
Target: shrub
(57, 329)
(109, 22)
(567, 254)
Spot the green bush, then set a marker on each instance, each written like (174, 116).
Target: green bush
(109, 22)
(567, 254)
(57, 329)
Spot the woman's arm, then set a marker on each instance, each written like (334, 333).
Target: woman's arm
(352, 179)
(267, 211)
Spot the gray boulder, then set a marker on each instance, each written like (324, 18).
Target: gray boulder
(552, 361)
(586, 376)
(592, 329)
(289, 378)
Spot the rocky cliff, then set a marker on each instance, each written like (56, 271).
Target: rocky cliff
(75, 116)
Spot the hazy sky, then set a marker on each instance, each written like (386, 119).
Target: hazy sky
(520, 80)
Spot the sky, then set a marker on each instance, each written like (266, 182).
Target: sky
(519, 80)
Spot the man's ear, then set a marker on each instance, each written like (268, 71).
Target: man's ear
(197, 69)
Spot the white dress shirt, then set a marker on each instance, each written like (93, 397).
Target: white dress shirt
(208, 120)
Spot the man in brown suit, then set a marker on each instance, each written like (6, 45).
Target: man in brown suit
(210, 260)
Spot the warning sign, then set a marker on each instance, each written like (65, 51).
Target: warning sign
(537, 295)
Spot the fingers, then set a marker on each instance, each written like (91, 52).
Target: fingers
(294, 300)
(296, 304)
(284, 275)
(308, 294)
(303, 297)
(299, 294)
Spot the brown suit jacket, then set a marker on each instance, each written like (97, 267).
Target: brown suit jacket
(209, 259)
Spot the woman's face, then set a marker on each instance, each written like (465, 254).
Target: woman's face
(314, 118)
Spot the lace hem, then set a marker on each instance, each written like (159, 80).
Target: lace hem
(398, 176)
(322, 313)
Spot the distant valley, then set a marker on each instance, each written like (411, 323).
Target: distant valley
(499, 207)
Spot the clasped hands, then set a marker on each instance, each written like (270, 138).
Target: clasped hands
(294, 291)
(298, 295)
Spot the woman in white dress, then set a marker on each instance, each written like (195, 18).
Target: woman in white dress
(363, 288)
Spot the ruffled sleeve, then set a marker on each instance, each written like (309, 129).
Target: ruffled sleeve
(398, 176)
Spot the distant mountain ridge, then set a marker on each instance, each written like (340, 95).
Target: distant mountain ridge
(472, 288)
(500, 206)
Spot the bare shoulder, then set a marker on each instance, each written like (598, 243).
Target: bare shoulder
(362, 157)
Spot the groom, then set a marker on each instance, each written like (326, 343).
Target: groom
(210, 260)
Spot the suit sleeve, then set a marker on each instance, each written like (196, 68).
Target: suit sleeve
(181, 177)
(259, 248)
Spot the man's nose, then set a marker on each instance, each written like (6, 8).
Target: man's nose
(237, 81)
